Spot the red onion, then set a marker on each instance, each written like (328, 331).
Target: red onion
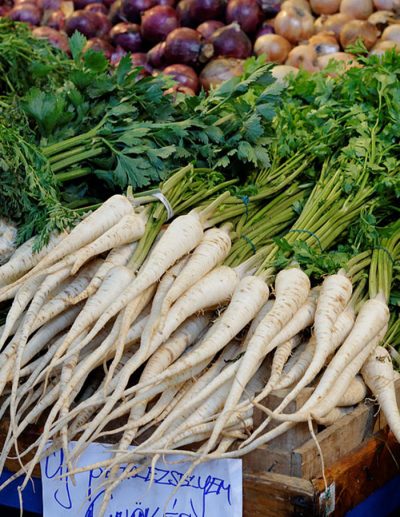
(117, 55)
(246, 12)
(49, 5)
(20, 2)
(140, 59)
(54, 37)
(103, 24)
(99, 45)
(115, 13)
(231, 41)
(28, 13)
(96, 8)
(81, 4)
(4, 10)
(184, 75)
(109, 3)
(274, 47)
(156, 56)
(158, 22)
(85, 22)
(171, 3)
(270, 7)
(219, 70)
(266, 28)
(131, 9)
(183, 11)
(193, 12)
(127, 36)
(208, 28)
(56, 20)
(185, 46)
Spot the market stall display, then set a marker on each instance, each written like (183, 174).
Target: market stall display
(213, 37)
(262, 257)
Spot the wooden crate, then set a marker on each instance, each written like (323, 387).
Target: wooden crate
(285, 478)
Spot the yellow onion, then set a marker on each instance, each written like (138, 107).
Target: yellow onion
(383, 46)
(359, 29)
(274, 47)
(332, 23)
(392, 33)
(325, 6)
(303, 56)
(294, 23)
(359, 9)
(324, 43)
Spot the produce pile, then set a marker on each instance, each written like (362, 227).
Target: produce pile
(163, 317)
(200, 43)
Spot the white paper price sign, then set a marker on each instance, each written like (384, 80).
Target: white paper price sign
(214, 489)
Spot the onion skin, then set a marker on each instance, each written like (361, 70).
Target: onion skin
(381, 19)
(359, 9)
(117, 55)
(184, 75)
(303, 57)
(208, 28)
(280, 73)
(96, 8)
(274, 47)
(295, 24)
(56, 38)
(325, 6)
(179, 88)
(103, 24)
(185, 46)
(324, 43)
(158, 22)
(247, 13)
(266, 28)
(332, 23)
(56, 20)
(383, 46)
(270, 7)
(203, 10)
(356, 29)
(219, 70)
(115, 13)
(156, 56)
(84, 22)
(349, 60)
(28, 13)
(131, 9)
(49, 5)
(231, 41)
(387, 5)
(140, 59)
(392, 33)
(127, 36)
(99, 45)
(81, 4)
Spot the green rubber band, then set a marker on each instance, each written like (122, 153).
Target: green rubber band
(250, 243)
(309, 233)
(392, 260)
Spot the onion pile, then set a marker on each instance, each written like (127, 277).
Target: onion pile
(201, 43)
